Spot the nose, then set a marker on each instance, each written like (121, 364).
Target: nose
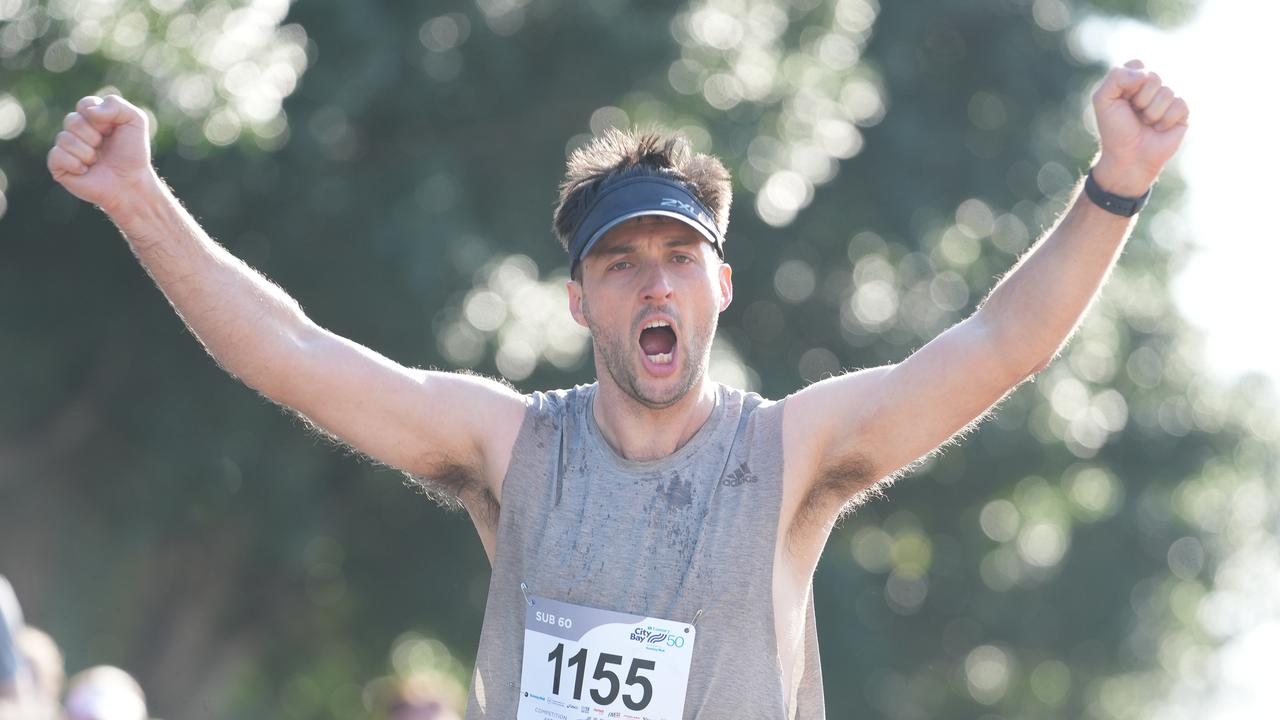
(657, 286)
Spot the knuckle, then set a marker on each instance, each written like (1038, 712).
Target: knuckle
(80, 128)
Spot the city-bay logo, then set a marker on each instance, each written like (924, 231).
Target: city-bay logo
(645, 635)
(659, 639)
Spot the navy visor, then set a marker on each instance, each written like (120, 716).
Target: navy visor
(642, 195)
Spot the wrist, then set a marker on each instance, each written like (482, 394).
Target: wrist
(137, 197)
(1115, 204)
(1123, 179)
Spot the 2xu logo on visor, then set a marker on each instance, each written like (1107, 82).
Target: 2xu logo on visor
(690, 209)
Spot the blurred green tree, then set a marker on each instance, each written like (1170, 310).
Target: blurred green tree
(393, 166)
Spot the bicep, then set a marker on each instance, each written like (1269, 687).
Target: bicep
(427, 423)
(882, 419)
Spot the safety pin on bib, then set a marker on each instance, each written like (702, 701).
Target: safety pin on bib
(524, 590)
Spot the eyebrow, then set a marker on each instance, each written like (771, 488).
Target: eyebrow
(626, 248)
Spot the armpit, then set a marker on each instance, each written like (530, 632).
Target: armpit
(842, 485)
(453, 486)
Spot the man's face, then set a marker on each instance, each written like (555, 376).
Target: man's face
(649, 271)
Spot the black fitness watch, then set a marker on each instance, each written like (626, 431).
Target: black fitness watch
(1118, 204)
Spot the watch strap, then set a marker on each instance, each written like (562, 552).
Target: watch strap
(1112, 203)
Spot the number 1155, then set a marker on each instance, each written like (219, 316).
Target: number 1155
(614, 685)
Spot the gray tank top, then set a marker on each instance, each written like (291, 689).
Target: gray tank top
(667, 538)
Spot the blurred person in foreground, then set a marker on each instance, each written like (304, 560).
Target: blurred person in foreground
(31, 666)
(45, 667)
(652, 535)
(424, 695)
(10, 624)
(104, 692)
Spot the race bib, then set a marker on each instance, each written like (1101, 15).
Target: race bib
(582, 662)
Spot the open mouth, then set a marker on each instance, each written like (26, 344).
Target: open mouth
(658, 342)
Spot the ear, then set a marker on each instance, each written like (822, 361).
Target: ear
(575, 302)
(725, 273)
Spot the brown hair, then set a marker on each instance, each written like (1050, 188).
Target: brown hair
(618, 154)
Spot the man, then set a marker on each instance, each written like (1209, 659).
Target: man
(653, 536)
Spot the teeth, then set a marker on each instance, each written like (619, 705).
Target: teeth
(660, 358)
(657, 323)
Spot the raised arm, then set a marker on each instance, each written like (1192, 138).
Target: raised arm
(455, 430)
(847, 433)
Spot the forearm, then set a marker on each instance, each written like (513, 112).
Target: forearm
(247, 323)
(1036, 306)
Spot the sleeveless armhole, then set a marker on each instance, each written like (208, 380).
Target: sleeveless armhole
(809, 696)
(541, 426)
(809, 692)
(536, 449)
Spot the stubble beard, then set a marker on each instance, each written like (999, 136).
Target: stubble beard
(618, 350)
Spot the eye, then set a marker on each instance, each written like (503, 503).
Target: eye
(683, 259)
(620, 265)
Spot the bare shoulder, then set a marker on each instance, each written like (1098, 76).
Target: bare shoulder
(849, 436)
(452, 432)
(822, 477)
(486, 415)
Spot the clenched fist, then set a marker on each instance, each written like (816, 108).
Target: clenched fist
(1141, 123)
(103, 151)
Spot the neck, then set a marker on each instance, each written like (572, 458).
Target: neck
(637, 432)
